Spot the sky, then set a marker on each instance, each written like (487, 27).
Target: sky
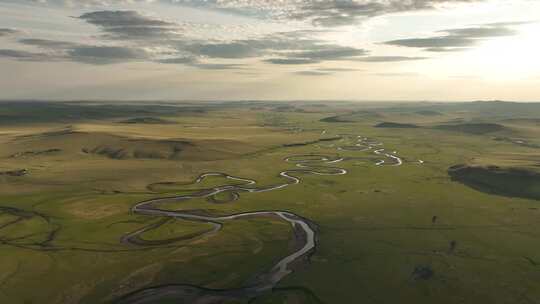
(416, 50)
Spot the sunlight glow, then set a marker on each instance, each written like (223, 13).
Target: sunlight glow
(509, 57)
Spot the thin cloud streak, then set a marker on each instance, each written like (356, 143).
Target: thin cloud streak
(458, 39)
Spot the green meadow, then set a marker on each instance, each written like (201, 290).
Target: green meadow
(414, 233)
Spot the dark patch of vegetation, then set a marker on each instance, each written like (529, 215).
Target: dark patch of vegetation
(35, 153)
(452, 247)
(352, 117)
(140, 150)
(147, 120)
(58, 133)
(473, 128)
(110, 152)
(429, 113)
(288, 108)
(422, 272)
(531, 261)
(20, 172)
(396, 125)
(510, 182)
(335, 119)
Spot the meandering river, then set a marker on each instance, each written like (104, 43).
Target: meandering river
(305, 229)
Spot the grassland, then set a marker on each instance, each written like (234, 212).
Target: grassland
(386, 234)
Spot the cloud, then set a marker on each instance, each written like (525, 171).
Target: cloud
(121, 19)
(327, 13)
(511, 23)
(445, 49)
(345, 12)
(295, 47)
(132, 36)
(312, 73)
(240, 49)
(433, 42)
(7, 31)
(218, 66)
(57, 50)
(325, 71)
(84, 3)
(338, 70)
(389, 58)
(326, 53)
(130, 25)
(137, 32)
(457, 39)
(177, 60)
(106, 54)
(291, 61)
(194, 62)
(22, 55)
(337, 13)
(46, 43)
(85, 54)
(481, 32)
(330, 52)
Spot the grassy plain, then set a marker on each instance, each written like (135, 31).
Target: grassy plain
(379, 226)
